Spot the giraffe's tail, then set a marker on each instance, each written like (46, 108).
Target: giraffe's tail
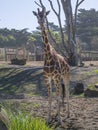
(63, 93)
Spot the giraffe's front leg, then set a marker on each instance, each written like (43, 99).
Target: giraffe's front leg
(58, 94)
(48, 83)
(58, 110)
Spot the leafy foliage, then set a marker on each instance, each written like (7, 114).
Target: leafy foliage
(87, 27)
(13, 37)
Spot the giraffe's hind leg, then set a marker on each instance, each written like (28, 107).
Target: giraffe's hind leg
(63, 93)
(66, 83)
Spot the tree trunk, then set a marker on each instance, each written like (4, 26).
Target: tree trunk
(72, 47)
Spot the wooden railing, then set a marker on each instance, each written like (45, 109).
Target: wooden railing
(89, 55)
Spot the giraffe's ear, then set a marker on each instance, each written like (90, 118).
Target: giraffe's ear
(47, 12)
(34, 13)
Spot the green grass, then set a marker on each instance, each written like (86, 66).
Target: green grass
(86, 73)
(96, 71)
(27, 122)
(79, 96)
(22, 121)
(91, 87)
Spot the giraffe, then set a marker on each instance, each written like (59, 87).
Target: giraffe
(55, 68)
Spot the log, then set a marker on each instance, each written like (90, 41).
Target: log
(90, 93)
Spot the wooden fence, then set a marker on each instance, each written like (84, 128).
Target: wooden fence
(89, 55)
(6, 54)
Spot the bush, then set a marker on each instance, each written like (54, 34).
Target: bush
(17, 61)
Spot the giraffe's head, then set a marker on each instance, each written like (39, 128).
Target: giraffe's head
(41, 15)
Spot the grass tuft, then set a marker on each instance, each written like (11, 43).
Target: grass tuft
(22, 121)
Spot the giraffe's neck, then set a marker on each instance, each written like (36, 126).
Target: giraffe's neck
(47, 46)
(49, 50)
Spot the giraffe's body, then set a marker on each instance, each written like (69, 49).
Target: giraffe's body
(55, 68)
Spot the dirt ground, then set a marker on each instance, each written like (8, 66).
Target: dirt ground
(83, 111)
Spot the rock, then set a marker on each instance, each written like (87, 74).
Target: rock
(96, 85)
(90, 93)
(2, 126)
(79, 88)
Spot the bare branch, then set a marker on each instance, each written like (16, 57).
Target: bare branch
(53, 7)
(59, 21)
(41, 4)
(80, 2)
(37, 4)
(76, 9)
(59, 6)
(50, 32)
(55, 40)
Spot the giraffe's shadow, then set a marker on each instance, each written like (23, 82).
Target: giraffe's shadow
(21, 80)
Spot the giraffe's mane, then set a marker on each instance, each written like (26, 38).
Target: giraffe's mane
(54, 52)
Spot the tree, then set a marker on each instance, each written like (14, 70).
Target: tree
(53, 27)
(94, 43)
(13, 37)
(71, 29)
(72, 51)
(71, 46)
(88, 32)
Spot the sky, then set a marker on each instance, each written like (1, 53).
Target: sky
(18, 14)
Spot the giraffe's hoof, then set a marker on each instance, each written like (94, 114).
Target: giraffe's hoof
(68, 116)
(48, 121)
(60, 122)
